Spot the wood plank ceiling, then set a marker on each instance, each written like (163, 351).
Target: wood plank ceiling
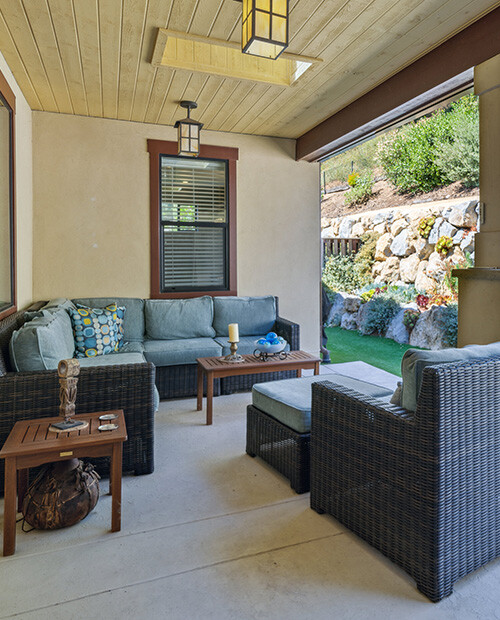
(92, 57)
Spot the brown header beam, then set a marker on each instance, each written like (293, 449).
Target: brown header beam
(472, 46)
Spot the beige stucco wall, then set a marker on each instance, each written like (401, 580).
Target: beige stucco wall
(23, 191)
(91, 214)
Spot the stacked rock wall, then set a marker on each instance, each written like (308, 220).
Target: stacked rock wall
(402, 254)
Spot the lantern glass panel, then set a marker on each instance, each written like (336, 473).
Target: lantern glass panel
(262, 25)
(279, 7)
(264, 5)
(279, 29)
(194, 131)
(184, 127)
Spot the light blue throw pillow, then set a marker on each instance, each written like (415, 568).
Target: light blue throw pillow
(414, 361)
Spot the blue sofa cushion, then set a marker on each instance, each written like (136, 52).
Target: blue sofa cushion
(40, 344)
(133, 323)
(289, 401)
(246, 345)
(97, 331)
(415, 360)
(184, 351)
(112, 359)
(172, 319)
(254, 315)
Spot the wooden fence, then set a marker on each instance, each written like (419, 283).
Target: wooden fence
(338, 246)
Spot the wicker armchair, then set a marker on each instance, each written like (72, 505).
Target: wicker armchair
(421, 487)
(27, 395)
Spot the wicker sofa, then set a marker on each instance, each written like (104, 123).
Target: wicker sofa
(171, 334)
(421, 486)
(26, 395)
(166, 334)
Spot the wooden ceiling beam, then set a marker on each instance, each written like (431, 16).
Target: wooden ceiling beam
(471, 46)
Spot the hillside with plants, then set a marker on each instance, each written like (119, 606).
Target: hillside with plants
(433, 158)
(399, 282)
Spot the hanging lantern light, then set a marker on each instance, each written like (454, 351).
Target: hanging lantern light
(264, 27)
(188, 132)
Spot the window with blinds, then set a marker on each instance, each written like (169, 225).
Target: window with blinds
(193, 224)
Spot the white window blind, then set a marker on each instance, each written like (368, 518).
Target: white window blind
(194, 224)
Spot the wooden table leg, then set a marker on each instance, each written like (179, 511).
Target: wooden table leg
(9, 507)
(199, 402)
(210, 396)
(22, 487)
(316, 368)
(116, 487)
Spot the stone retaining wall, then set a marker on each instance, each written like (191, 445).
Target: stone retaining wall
(402, 254)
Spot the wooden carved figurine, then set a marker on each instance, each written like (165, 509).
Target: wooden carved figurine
(68, 371)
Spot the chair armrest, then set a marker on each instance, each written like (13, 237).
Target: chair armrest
(289, 331)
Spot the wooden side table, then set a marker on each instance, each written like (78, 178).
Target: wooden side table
(30, 444)
(216, 368)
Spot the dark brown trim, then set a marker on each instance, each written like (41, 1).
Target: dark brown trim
(164, 147)
(10, 98)
(470, 47)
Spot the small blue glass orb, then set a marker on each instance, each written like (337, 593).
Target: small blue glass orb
(261, 341)
(275, 341)
(271, 336)
(267, 344)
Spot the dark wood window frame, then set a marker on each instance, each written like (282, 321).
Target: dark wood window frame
(156, 149)
(10, 100)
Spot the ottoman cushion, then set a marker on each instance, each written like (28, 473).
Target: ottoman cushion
(289, 401)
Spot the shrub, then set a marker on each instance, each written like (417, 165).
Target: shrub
(361, 191)
(352, 179)
(379, 313)
(425, 226)
(448, 322)
(408, 155)
(365, 256)
(459, 156)
(341, 273)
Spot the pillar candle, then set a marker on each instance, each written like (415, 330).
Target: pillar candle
(233, 332)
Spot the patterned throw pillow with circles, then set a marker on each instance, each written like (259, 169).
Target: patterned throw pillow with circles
(97, 331)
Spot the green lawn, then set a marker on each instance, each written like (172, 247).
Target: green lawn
(351, 346)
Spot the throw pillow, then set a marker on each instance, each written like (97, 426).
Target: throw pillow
(97, 331)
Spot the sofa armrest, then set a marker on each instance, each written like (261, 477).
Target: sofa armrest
(289, 331)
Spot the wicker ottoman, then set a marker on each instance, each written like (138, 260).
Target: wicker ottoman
(279, 422)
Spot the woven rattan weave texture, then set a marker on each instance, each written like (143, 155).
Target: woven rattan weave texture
(422, 488)
(280, 446)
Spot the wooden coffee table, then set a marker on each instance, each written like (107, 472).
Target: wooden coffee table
(30, 444)
(216, 368)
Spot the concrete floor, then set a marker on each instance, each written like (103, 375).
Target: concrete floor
(216, 534)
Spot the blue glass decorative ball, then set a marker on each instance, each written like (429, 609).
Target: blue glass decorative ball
(271, 336)
(275, 341)
(261, 341)
(267, 343)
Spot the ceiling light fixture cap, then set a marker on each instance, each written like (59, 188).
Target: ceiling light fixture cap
(189, 105)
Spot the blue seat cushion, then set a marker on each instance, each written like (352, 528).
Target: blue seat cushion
(133, 322)
(40, 344)
(112, 359)
(254, 315)
(173, 319)
(415, 360)
(289, 401)
(183, 351)
(246, 345)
